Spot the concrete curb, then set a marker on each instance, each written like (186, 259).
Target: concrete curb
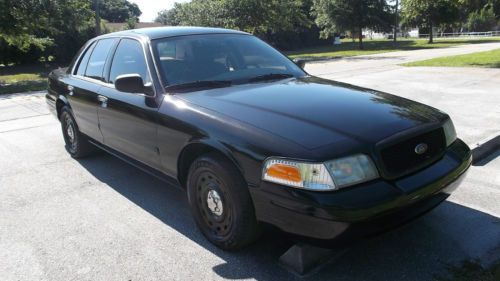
(319, 59)
(485, 148)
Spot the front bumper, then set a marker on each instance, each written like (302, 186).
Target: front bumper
(365, 209)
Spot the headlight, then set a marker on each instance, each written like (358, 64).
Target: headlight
(449, 132)
(331, 175)
(298, 174)
(352, 170)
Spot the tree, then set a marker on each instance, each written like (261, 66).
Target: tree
(260, 17)
(267, 16)
(200, 13)
(430, 13)
(469, 6)
(254, 16)
(169, 17)
(396, 21)
(70, 24)
(495, 4)
(119, 10)
(351, 15)
(131, 23)
(22, 23)
(31, 29)
(483, 20)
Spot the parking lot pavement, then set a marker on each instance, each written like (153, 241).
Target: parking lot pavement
(102, 219)
(469, 95)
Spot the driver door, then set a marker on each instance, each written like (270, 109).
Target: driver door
(128, 121)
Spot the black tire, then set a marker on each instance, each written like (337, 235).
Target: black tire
(231, 223)
(77, 143)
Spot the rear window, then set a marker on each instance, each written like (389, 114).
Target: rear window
(95, 67)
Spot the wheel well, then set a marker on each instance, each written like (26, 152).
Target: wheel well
(187, 157)
(59, 106)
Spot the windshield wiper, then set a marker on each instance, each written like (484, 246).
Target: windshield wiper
(270, 76)
(198, 84)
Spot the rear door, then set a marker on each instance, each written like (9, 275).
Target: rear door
(128, 121)
(83, 89)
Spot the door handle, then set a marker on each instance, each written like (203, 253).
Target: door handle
(103, 100)
(70, 89)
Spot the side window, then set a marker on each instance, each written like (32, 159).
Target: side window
(82, 65)
(97, 60)
(167, 50)
(129, 59)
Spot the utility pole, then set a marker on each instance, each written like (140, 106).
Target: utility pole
(396, 23)
(97, 18)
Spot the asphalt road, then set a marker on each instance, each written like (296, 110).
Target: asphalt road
(102, 219)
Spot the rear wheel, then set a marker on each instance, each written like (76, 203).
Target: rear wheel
(77, 144)
(220, 202)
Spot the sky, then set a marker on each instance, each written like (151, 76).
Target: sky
(150, 8)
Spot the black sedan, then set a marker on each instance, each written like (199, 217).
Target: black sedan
(253, 138)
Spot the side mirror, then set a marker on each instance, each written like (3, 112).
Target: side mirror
(300, 62)
(130, 83)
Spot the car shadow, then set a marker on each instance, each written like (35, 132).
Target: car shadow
(416, 251)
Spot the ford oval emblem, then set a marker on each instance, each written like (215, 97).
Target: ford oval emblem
(421, 148)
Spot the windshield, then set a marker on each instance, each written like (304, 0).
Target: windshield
(231, 58)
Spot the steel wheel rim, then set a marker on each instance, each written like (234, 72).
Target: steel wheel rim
(70, 133)
(216, 220)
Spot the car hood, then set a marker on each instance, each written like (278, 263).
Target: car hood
(314, 112)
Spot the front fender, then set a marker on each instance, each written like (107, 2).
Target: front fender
(197, 147)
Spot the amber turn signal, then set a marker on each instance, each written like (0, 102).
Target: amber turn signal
(284, 172)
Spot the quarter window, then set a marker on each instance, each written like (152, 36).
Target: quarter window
(97, 60)
(84, 61)
(129, 59)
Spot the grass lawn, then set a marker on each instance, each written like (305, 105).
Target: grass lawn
(349, 48)
(16, 79)
(489, 59)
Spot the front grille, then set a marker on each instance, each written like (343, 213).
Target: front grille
(400, 158)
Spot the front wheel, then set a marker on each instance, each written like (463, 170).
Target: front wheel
(221, 203)
(77, 143)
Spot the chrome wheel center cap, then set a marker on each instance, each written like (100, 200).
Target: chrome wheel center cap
(214, 203)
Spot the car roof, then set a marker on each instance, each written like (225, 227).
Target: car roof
(171, 31)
